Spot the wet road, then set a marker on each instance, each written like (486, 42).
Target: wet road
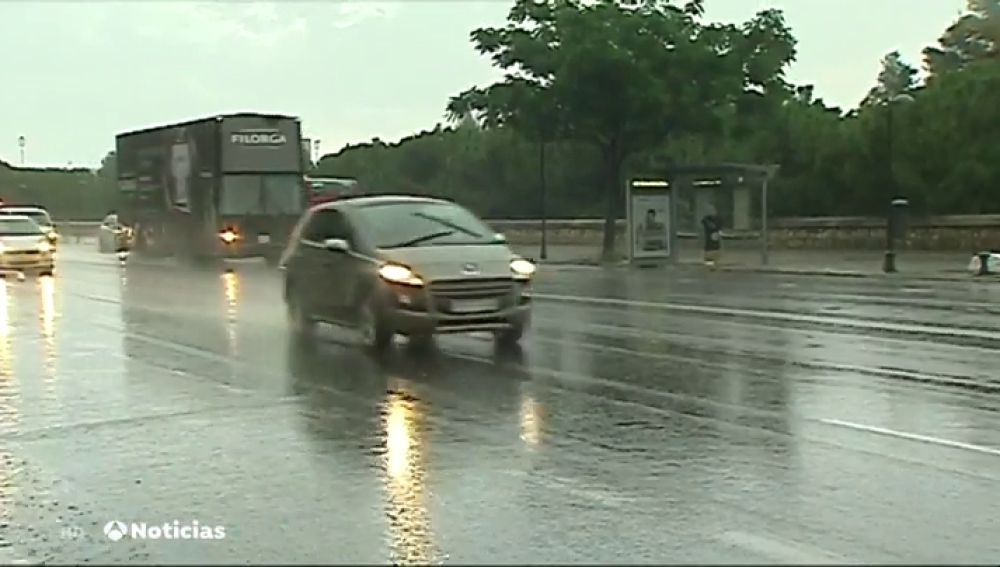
(650, 418)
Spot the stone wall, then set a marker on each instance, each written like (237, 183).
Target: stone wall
(967, 233)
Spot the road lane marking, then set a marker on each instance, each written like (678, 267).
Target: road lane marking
(775, 315)
(784, 552)
(913, 437)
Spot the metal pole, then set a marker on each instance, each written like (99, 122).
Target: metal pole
(763, 222)
(889, 262)
(628, 222)
(20, 143)
(544, 252)
(890, 152)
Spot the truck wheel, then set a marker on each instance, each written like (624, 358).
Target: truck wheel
(421, 342)
(511, 336)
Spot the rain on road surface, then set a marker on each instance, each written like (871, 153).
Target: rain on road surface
(650, 417)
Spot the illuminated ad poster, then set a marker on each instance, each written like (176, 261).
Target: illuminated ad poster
(649, 226)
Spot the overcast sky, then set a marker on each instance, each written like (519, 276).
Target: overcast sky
(75, 73)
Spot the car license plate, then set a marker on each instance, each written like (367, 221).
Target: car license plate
(264, 238)
(474, 305)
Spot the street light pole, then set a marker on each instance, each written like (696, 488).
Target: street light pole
(544, 251)
(316, 149)
(897, 203)
(20, 143)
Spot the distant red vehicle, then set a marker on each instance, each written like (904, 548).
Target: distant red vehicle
(324, 189)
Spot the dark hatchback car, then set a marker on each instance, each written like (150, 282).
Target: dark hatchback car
(415, 266)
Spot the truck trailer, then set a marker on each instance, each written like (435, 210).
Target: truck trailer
(225, 186)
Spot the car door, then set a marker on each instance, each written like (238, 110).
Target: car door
(337, 266)
(307, 266)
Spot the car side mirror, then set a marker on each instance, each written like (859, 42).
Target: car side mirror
(336, 245)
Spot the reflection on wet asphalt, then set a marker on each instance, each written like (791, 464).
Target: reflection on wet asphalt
(650, 417)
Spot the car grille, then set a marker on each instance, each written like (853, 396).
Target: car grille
(471, 289)
(447, 294)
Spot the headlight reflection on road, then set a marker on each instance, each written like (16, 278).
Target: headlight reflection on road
(4, 309)
(9, 394)
(531, 420)
(231, 289)
(409, 524)
(47, 298)
(47, 295)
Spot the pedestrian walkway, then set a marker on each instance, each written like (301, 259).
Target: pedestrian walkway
(846, 263)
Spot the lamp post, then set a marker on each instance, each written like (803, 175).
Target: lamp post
(20, 144)
(316, 150)
(898, 204)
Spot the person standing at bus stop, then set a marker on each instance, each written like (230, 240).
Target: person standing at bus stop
(711, 224)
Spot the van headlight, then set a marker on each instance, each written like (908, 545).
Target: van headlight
(522, 268)
(397, 273)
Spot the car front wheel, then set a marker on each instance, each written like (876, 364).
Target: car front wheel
(374, 333)
(303, 326)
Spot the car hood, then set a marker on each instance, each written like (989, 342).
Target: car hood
(451, 262)
(18, 243)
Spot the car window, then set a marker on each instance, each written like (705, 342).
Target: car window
(327, 224)
(14, 226)
(40, 217)
(425, 223)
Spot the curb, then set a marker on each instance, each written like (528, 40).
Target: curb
(956, 276)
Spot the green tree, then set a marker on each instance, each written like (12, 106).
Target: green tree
(973, 37)
(895, 78)
(625, 75)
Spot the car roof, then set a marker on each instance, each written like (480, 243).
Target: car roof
(366, 200)
(18, 217)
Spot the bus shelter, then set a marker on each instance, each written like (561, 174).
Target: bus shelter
(665, 209)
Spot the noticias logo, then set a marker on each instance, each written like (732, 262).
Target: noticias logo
(117, 530)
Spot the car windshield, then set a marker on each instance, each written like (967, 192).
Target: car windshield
(401, 224)
(19, 227)
(40, 217)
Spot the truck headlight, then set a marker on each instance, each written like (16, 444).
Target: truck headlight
(228, 236)
(522, 268)
(397, 273)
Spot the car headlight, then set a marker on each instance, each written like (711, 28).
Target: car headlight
(44, 247)
(522, 268)
(396, 273)
(53, 235)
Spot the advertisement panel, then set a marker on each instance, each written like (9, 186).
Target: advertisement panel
(261, 144)
(649, 220)
(163, 167)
